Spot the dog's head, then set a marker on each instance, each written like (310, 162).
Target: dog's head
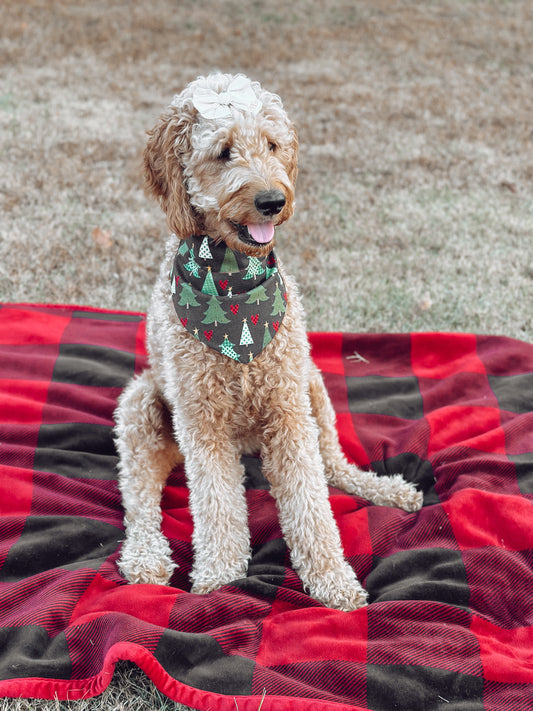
(223, 161)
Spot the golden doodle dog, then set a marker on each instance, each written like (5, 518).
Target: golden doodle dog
(230, 371)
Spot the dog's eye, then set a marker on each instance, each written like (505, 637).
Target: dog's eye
(224, 154)
(271, 146)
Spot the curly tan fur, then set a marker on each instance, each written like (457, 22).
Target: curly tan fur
(206, 174)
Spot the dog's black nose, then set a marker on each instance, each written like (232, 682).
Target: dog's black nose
(269, 202)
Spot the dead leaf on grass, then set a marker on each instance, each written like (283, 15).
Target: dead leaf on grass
(425, 303)
(102, 238)
(509, 186)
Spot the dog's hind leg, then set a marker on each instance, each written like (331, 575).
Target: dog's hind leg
(381, 490)
(147, 452)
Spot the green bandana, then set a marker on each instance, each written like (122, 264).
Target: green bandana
(228, 301)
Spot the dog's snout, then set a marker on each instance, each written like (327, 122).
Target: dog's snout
(269, 202)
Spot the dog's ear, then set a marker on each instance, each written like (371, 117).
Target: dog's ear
(292, 170)
(163, 171)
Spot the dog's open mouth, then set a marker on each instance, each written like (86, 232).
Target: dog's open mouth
(254, 234)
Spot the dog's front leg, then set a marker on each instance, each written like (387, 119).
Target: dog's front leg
(294, 467)
(221, 538)
(148, 452)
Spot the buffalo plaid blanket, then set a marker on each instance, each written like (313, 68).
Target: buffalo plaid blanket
(450, 619)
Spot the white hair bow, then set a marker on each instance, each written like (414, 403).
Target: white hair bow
(239, 95)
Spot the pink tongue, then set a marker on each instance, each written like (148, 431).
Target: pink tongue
(262, 233)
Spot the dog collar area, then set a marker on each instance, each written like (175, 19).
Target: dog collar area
(228, 301)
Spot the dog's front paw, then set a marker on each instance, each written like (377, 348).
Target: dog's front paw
(338, 589)
(147, 561)
(205, 579)
(205, 587)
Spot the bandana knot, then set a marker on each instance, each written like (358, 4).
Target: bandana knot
(232, 303)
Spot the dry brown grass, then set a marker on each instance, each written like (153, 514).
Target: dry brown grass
(415, 200)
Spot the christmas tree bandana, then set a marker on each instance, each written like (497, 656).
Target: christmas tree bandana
(229, 301)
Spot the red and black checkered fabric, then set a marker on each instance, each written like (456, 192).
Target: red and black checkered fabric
(450, 619)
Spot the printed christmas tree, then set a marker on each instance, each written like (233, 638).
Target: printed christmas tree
(204, 251)
(278, 307)
(267, 337)
(270, 271)
(209, 284)
(226, 348)
(172, 280)
(215, 313)
(256, 295)
(229, 264)
(183, 249)
(255, 268)
(246, 336)
(187, 297)
(192, 265)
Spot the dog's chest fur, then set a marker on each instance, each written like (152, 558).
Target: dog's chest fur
(232, 393)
